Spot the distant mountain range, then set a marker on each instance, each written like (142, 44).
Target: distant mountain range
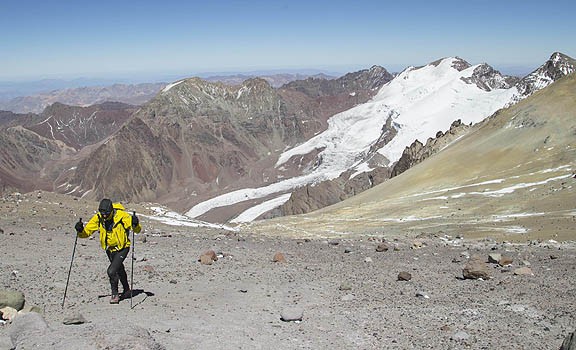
(238, 152)
(33, 97)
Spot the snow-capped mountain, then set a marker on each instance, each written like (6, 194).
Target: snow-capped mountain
(221, 152)
(415, 105)
(558, 66)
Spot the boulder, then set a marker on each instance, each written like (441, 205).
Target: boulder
(8, 313)
(475, 269)
(26, 327)
(12, 298)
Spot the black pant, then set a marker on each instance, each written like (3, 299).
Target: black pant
(116, 269)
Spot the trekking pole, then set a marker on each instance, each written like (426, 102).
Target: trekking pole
(70, 270)
(132, 268)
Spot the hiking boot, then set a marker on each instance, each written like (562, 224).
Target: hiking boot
(115, 299)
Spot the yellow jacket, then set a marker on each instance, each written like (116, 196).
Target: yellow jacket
(117, 238)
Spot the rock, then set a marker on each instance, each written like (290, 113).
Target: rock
(30, 331)
(12, 298)
(494, 258)
(460, 336)
(124, 336)
(208, 257)
(368, 259)
(291, 314)
(417, 244)
(8, 313)
(211, 254)
(382, 247)
(205, 260)
(505, 261)
(422, 295)
(475, 269)
(524, 271)
(74, 318)
(27, 327)
(404, 276)
(279, 257)
(569, 342)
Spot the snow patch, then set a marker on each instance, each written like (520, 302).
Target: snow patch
(170, 86)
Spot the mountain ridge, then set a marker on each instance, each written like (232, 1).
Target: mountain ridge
(201, 142)
(403, 94)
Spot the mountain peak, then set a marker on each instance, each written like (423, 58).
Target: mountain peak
(560, 57)
(455, 62)
(558, 66)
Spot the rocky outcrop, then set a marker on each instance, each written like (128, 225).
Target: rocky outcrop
(316, 196)
(417, 152)
(488, 79)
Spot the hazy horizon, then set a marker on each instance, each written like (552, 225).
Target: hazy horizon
(159, 76)
(67, 40)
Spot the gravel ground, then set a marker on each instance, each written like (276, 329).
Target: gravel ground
(347, 293)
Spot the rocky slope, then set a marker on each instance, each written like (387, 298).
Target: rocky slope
(197, 138)
(398, 289)
(38, 149)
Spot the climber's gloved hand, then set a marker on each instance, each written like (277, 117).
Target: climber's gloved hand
(79, 226)
(135, 220)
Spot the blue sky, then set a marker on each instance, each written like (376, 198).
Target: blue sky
(68, 39)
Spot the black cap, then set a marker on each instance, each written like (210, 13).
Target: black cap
(105, 207)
